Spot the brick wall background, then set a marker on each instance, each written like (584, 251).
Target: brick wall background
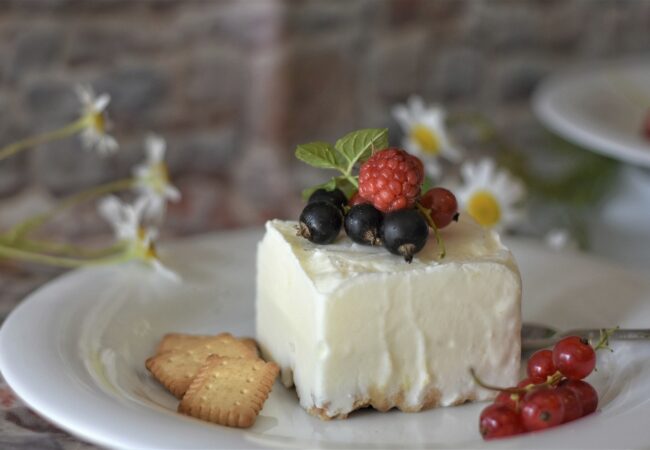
(235, 85)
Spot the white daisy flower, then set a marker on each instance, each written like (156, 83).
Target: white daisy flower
(491, 196)
(126, 221)
(152, 180)
(560, 239)
(94, 134)
(425, 134)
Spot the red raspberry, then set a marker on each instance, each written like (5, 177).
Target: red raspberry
(391, 179)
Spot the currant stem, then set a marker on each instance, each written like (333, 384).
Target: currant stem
(436, 232)
(603, 342)
(490, 387)
(551, 380)
(24, 144)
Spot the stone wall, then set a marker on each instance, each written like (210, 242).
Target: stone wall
(235, 85)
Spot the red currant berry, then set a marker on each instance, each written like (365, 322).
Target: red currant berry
(442, 204)
(541, 409)
(574, 357)
(498, 421)
(540, 365)
(572, 404)
(587, 395)
(507, 399)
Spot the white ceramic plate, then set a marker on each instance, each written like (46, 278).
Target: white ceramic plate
(75, 350)
(600, 107)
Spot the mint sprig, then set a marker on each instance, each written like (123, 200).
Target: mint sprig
(348, 152)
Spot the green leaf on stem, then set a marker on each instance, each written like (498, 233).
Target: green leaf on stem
(321, 155)
(359, 145)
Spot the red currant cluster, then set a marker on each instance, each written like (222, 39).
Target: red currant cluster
(553, 393)
(388, 209)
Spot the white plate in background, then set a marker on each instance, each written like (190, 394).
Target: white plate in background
(601, 107)
(75, 350)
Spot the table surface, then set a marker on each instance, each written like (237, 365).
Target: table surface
(20, 427)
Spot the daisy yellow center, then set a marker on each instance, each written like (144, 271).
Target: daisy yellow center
(426, 139)
(159, 177)
(147, 251)
(98, 122)
(484, 208)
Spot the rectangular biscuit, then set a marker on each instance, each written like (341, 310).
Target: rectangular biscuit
(175, 369)
(229, 391)
(182, 341)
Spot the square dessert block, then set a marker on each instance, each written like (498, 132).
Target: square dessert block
(353, 326)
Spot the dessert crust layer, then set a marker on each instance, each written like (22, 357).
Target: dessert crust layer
(381, 402)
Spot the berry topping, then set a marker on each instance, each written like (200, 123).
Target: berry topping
(320, 222)
(540, 365)
(391, 179)
(442, 205)
(405, 232)
(574, 357)
(363, 224)
(587, 395)
(499, 421)
(553, 393)
(572, 404)
(507, 399)
(335, 196)
(542, 408)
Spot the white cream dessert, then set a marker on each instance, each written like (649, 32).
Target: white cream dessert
(354, 326)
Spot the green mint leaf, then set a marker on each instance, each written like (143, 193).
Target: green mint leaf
(357, 146)
(321, 155)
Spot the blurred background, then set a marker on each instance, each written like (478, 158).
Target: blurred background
(234, 86)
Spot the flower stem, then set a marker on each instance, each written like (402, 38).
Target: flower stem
(63, 249)
(60, 261)
(20, 230)
(67, 130)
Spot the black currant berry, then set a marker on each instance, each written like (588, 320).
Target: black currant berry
(336, 196)
(320, 222)
(404, 233)
(363, 224)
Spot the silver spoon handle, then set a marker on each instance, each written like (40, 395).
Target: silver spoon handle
(639, 334)
(530, 344)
